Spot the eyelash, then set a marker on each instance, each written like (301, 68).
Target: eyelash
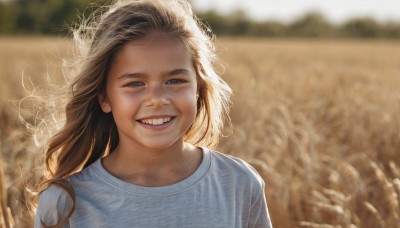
(169, 82)
(134, 84)
(176, 81)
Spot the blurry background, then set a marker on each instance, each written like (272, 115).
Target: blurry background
(260, 18)
(315, 106)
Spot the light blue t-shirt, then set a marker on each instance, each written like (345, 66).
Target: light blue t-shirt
(224, 191)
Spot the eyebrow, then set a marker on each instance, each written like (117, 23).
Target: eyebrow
(141, 75)
(130, 75)
(179, 71)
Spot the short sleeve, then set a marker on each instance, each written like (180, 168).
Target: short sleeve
(54, 205)
(259, 215)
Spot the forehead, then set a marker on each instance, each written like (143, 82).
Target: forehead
(162, 38)
(152, 54)
(158, 40)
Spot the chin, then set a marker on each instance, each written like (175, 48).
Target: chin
(161, 145)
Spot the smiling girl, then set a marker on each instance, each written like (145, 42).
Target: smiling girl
(144, 110)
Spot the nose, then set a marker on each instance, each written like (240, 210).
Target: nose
(156, 96)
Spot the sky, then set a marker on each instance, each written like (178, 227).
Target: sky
(336, 11)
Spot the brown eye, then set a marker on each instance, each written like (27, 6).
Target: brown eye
(134, 84)
(175, 81)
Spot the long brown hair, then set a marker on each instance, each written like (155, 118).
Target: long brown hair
(88, 133)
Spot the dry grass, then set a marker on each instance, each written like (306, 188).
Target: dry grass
(318, 120)
(6, 218)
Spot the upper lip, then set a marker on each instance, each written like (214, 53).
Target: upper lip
(156, 117)
(156, 120)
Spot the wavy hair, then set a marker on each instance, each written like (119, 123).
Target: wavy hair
(88, 133)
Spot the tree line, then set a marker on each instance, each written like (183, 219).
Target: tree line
(311, 24)
(53, 17)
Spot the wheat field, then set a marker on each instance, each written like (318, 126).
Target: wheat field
(318, 119)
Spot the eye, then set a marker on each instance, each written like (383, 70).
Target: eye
(176, 81)
(134, 84)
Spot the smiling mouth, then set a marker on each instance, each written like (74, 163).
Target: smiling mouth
(156, 121)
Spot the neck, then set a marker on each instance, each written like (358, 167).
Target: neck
(142, 158)
(153, 167)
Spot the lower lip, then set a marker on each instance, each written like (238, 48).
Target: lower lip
(157, 127)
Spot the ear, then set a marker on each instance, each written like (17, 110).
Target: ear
(104, 104)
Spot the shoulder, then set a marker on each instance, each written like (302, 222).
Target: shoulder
(236, 167)
(54, 204)
(234, 163)
(54, 192)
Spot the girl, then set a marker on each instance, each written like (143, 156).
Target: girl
(142, 112)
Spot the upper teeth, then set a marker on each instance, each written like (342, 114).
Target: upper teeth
(157, 121)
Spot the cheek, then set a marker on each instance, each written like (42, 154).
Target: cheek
(191, 102)
(187, 100)
(123, 103)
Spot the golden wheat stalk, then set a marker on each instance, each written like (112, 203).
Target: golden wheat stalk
(6, 219)
(389, 194)
(316, 225)
(375, 214)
